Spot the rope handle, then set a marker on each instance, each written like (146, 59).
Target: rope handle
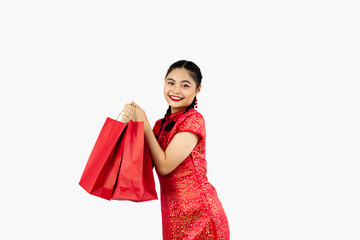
(132, 113)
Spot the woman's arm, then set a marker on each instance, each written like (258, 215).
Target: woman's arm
(178, 149)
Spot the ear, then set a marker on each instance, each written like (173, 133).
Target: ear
(197, 90)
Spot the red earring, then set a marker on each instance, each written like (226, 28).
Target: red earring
(195, 103)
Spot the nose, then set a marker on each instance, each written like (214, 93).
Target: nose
(176, 88)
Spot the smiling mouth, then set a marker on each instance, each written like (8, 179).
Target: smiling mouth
(176, 99)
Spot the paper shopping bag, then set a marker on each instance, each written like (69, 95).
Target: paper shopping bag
(102, 167)
(135, 179)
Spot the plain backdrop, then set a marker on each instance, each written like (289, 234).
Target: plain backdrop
(280, 98)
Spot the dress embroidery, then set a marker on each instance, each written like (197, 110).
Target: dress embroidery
(190, 206)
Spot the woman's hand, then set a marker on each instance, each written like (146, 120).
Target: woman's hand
(128, 113)
(140, 115)
(135, 113)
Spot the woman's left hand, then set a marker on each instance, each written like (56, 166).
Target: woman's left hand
(139, 114)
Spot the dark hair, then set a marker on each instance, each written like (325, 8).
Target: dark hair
(193, 69)
(195, 73)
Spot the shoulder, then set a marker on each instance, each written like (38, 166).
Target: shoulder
(192, 116)
(158, 122)
(157, 126)
(191, 121)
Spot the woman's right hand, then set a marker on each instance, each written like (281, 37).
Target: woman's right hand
(128, 113)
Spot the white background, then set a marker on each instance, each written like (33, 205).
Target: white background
(280, 99)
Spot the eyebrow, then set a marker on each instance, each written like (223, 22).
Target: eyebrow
(181, 81)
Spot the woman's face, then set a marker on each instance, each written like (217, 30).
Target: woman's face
(180, 89)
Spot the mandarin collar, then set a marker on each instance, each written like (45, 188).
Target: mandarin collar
(174, 116)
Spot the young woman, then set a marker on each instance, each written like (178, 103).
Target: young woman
(190, 206)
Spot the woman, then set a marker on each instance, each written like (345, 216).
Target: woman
(189, 203)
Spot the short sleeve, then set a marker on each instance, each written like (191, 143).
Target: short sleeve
(193, 122)
(157, 127)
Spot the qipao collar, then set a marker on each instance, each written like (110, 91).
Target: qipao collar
(174, 116)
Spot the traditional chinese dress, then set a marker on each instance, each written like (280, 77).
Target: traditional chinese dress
(189, 203)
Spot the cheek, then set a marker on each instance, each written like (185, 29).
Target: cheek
(166, 89)
(190, 93)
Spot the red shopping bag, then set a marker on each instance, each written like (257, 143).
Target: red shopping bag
(135, 179)
(102, 167)
(119, 166)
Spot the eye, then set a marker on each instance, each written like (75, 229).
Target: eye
(186, 86)
(170, 83)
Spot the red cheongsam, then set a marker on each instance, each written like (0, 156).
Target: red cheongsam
(190, 206)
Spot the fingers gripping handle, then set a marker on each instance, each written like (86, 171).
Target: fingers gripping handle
(132, 113)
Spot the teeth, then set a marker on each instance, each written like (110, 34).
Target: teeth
(177, 98)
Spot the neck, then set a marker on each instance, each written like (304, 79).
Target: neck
(174, 110)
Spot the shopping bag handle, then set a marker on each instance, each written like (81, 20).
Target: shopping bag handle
(132, 113)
